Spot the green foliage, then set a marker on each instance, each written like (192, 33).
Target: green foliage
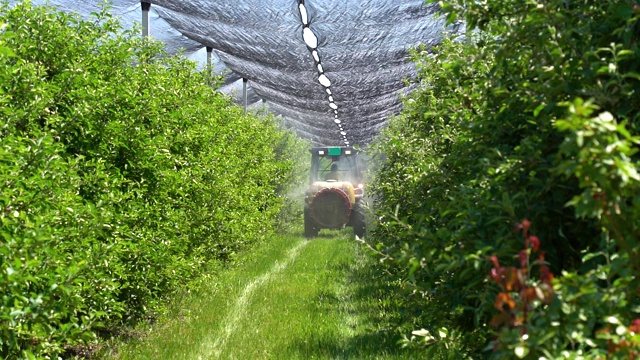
(124, 177)
(499, 131)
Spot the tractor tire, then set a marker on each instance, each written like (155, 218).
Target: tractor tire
(310, 227)
(358, 222)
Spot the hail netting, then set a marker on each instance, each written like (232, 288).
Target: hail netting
(362, 46)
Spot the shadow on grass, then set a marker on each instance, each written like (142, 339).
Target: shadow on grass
(365, 346)
(347, 232)
(369, 300)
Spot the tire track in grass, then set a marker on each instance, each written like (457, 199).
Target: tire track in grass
(212, 349)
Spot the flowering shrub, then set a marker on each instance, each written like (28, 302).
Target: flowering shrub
(534, 114)
(518, 293)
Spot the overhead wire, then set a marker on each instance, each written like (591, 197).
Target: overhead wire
(311, 41)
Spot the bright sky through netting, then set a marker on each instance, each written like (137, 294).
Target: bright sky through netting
(317, 63)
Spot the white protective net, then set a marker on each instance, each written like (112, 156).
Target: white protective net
(342, 94)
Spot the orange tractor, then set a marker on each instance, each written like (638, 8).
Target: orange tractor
(335, 197)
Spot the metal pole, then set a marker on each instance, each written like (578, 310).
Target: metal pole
(210, 64)
(209, 57)
(244, 93)
(146, 7)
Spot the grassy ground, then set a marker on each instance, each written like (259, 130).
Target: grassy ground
(291, 298)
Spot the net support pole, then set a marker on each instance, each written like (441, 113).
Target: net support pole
(209, 58)
(146, 7)
(244, 93)
(210, 63)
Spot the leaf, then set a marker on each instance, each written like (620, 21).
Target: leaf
(632, 75)
(625, 53)
(612, 320)
(5, 51)
(421, 332)
(521, 351)
(590, 256)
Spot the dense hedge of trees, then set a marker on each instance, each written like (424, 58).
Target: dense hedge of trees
(123, 177)
(509, 195)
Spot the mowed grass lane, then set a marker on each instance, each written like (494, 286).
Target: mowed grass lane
(291, 298)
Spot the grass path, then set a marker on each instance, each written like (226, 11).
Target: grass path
(232, 321)
(289, 299)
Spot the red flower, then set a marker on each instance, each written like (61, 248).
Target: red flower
(541, 256)
(497, 274)
(504, 302)
(533, 240)
(528, 294)
(494, 260)
(523, 257)
(545, 274)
